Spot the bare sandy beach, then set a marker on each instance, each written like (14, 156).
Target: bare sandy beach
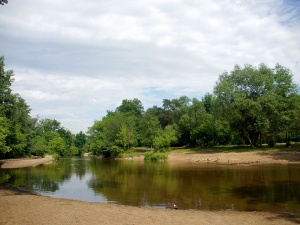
(25, 162)
(255, 157)
(21, 207)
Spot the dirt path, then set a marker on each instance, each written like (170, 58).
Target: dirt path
(20, 207)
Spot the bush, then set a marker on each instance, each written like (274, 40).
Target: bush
(56, 156)
(155, 156)
(112, 152)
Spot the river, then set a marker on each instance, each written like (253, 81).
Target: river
(270, 188)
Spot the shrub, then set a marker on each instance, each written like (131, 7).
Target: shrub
(112, 152)
(155, 156)
(56, 156)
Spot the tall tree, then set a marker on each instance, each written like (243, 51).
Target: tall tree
(134, 107)
(150, 128)
(15, 114)
(4, 131)
(256, 101)
(6, 96)
(208, 102)
(172, 106)
(80, 140)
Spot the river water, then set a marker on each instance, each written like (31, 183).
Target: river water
(271, 188)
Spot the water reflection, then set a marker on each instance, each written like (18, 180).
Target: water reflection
(209, 187)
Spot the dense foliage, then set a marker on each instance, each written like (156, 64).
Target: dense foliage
(249, 106)
(22, 135)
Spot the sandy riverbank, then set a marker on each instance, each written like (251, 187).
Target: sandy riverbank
(242, 158)
(21, 207)
(25, 162)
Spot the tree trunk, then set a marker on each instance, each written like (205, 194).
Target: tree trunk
(248, 137)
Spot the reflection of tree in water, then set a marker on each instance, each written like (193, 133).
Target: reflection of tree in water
(43, 177)
(279, 192)
(4, 177)
(156, 184)
(80, 166)
(214, 188)
(208, 187)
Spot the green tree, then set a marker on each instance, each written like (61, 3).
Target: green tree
(125, 138)
(67, 136)
(80, 141)
(163, 141)
(172, 106)
(4, 131)
(256, 101)
(57, 145)
(39, 146)
(16, 113)
(134, 107)
(150, 128)
(186, 118)
(208, 102)
(48, 125)
(73, 150)
(104, 133)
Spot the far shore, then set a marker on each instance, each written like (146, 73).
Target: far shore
(228, 158)
(231, 158)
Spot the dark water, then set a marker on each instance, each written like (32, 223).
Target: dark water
(272, 188)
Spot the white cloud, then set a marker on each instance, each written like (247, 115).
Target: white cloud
(73, 60)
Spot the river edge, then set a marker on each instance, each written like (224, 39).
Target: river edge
(224, 158)
(25, 162)
(19, 206)
(230, 158)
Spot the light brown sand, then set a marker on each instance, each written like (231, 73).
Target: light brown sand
(25, 162)
(19, 207)
(259, 157)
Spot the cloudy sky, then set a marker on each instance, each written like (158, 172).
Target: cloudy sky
(73, 60)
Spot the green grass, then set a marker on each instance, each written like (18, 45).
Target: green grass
(155, 156)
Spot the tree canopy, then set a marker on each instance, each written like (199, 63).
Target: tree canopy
(257, 102)
(21, 135)
(249, 105)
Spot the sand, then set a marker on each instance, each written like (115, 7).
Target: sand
(255, 157)
(25, 162)
(21, 207)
